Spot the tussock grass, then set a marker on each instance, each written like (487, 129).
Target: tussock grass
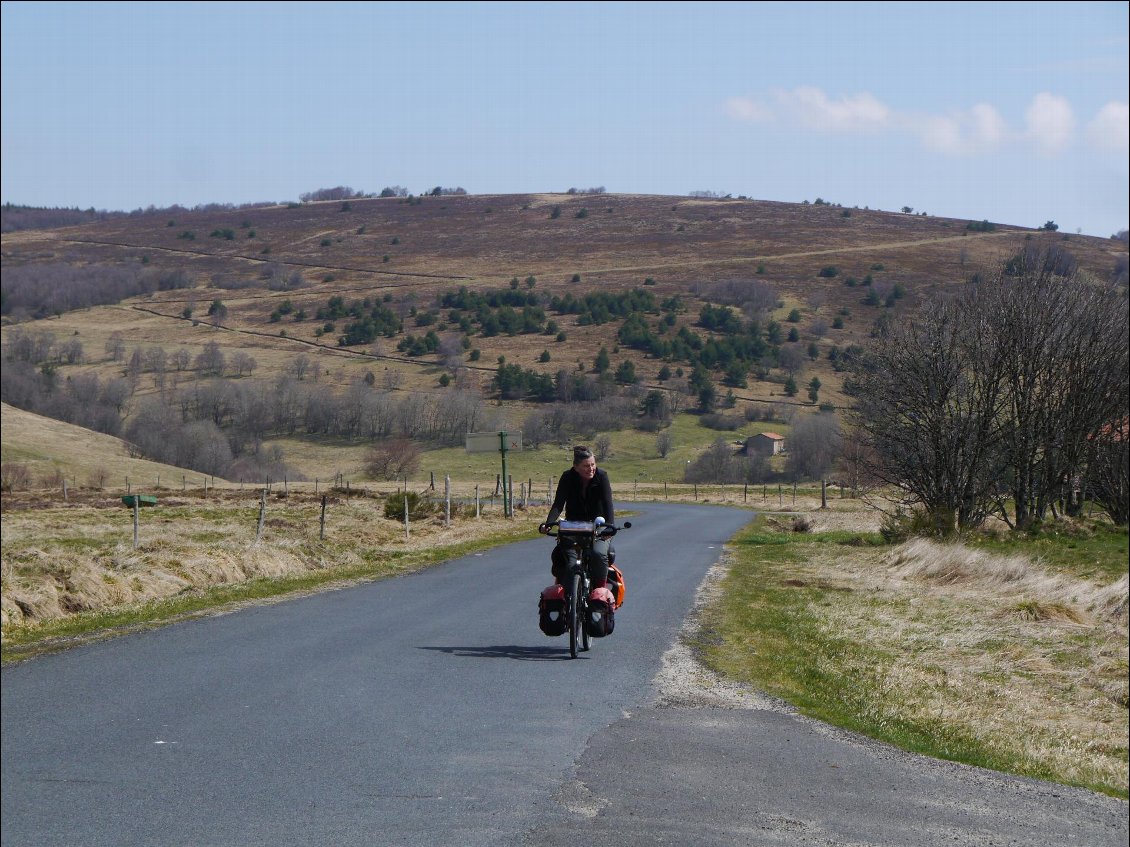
(1004, 661)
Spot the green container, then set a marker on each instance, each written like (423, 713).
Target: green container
(132, 500)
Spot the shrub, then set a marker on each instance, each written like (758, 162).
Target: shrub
(419, 507)
(829, 271)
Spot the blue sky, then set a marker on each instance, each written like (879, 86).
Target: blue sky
(1016, 113)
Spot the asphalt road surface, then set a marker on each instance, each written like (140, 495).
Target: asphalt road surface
(430, 710)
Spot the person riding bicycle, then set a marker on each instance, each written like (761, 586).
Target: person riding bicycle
(584, 494)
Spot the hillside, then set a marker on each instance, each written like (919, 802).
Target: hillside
(50, 448)
(831, 272)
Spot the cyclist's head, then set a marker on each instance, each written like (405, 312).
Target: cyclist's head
(584, 462)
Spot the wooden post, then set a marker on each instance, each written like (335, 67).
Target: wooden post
(322, 521)
(64, 489)
(478, 510)
(510, 493)
(432, 484)
(745, 493)
(136, 500)
(262, 515)
(447, 501)
(780, 497)
(183, 483)
(664, 489)
(823, 494)
(127, 485)
(794, 495)
(696, 491)
(407, 534)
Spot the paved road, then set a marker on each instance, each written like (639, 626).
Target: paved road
(429, 710)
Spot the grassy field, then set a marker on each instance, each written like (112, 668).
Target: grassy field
(1010, 656)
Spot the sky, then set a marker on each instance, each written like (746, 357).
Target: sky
(1008, 112)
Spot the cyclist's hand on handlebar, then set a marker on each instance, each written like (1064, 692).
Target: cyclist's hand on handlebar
(543, 528)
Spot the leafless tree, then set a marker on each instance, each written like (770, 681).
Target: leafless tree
(210, 361)
(116, 346)
(392, 459)
(663, 443)
(602, 447)
(243, 361)
(299, 366)
(995, 398)
(1108, 471)
(814, 446)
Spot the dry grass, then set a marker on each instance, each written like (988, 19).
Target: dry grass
(1030, 664)
(59, 560)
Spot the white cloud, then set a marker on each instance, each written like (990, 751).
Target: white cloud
(980, 130)
(1109, 130)
(857, 113)
(1051, 123)
(748, 110)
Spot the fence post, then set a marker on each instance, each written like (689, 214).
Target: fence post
(407, 534)
(262, 515)
(432, 484)
(322, 521)
(745, 493)
(510, 493)
(794, 494)
(135, 520)
(664, 489)
(478, 512)
(447, 501)
(64, 489)
(696, 491)
(823, 494)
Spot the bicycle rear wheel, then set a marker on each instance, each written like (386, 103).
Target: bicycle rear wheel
(583, 614)
(574, 616)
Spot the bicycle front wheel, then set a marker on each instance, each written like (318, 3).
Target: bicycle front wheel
(575, 621)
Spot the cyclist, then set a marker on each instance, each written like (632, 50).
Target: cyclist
(584, 494)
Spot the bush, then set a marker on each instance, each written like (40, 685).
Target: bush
(916, 523)
(419, 506)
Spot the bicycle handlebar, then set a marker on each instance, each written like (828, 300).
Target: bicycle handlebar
(602, 530)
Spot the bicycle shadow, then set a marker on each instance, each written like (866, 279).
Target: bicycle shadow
(522, 652)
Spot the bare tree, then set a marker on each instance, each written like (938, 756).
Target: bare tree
(392, 459)
(996, 397)
(814, 446)
(663, 443)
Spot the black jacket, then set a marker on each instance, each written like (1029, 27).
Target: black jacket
(595, 502)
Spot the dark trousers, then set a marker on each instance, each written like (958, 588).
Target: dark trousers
(598, 562)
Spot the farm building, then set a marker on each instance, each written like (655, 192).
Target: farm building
(764, 444)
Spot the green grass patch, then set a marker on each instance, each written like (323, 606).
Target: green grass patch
(1094, 550)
